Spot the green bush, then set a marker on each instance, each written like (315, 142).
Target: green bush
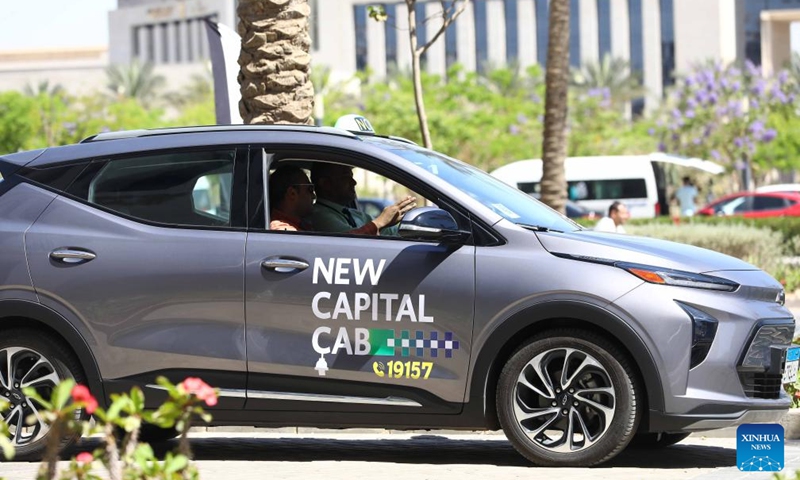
(759, 246)
(788, 227)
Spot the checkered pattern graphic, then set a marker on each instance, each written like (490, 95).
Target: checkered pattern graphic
(433, 344)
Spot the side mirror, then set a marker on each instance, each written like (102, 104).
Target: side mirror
(431, 223)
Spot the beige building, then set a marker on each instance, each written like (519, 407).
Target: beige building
(657, 37)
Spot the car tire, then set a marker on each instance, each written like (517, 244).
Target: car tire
(34, 355)
(656, 440)
(152, 434)
(599, 398)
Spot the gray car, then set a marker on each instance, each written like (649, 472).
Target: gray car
(145, 253)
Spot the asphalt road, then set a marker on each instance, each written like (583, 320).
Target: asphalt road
(334, 456)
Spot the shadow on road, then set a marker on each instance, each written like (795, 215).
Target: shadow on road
(422, 449)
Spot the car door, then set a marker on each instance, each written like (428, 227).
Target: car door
(339, 322)
(149, 266)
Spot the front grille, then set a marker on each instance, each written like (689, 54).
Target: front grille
(761, 385)
(761, 367)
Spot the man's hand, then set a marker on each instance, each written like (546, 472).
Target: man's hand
(392, 214)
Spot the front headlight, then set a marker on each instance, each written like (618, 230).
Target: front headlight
(662, 276)
(678, 278)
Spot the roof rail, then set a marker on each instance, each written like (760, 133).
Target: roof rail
(100, 137)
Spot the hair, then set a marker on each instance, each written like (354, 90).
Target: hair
(687, 180)
(279, 182)
(614, 207)
(324, 169)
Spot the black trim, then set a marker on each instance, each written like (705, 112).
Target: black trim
(293, 384)
(57, 178)
(664, 422)
(154, 397)
(513, 331)
(37, 313)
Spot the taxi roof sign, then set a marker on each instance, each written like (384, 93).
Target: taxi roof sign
(355, 123)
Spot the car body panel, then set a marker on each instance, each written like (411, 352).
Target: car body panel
(289, 313)
(20, 206)
(155, 298)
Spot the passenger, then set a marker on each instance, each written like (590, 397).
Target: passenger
(336, 197)
(291, 199)
(617, 215)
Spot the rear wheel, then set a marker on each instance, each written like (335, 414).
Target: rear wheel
(568, 398)
(30, 358)
(153, 434)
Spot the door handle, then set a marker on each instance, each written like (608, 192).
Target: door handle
(284, 265)
(71, 255)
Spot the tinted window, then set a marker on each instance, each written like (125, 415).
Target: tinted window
(734, 205)
(188, 188)
(768, 203)
(596, 189)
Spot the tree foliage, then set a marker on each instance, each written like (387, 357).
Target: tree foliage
(728, 114)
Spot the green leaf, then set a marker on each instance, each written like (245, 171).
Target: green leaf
(377, 13)
(175, 464)
(32, 394)
(116, 406)
(7, 446)
(143, 453)
(61, 394)
(137, 399)
(131, 423)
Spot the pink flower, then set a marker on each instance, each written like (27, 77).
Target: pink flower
(81, 394)
(84, 457)
(200, 389)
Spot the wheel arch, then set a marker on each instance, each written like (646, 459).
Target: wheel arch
(520, 326)
(26, 314)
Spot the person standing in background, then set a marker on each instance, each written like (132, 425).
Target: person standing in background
(617, 215)
(686, 197)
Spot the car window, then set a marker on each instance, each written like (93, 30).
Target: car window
(316, 213)
(1, 178)
(768, 203)
(595, 189)
(506, 201)
(733, 206)
(186, 188)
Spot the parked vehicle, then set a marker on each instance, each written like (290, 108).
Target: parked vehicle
(595, 182)
(755, 205)
(486, 311)
(781, 187)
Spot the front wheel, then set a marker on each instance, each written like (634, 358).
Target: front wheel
(30, 358)
(568, 398)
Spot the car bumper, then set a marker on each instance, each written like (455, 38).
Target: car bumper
(661, 422)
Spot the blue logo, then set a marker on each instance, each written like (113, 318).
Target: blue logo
(759, 447)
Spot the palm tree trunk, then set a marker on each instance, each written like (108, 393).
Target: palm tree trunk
(416, 73)
(554, 146)
(275, 62)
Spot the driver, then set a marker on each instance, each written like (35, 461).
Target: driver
(335, 209)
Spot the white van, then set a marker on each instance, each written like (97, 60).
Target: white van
(595, 182)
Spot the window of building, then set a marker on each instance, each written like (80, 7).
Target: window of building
(422, 28)
(542, 25)
(575, 33)
(752, 24)
(360, 17)
(151, 44)
(177, 44)
(667, 43)
(313, 21)
(390, 26)
(185, 188)
(165, 44)
(137, 47)
(190, 55)
(481, 36)
(451, 42)
(512, 36)
(604, 27)
(637, 49)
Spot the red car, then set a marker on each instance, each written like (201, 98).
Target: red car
(755, 205)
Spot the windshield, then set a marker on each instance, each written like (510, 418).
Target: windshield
(508, 202)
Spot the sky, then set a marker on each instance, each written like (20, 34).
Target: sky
(32, 24)
(84, 23)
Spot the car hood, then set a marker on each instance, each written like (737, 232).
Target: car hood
(644, 250)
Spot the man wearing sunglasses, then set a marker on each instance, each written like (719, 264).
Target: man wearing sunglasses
(335, 209)
(291, 198)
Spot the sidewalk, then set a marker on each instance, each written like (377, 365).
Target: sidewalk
(339, 455)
